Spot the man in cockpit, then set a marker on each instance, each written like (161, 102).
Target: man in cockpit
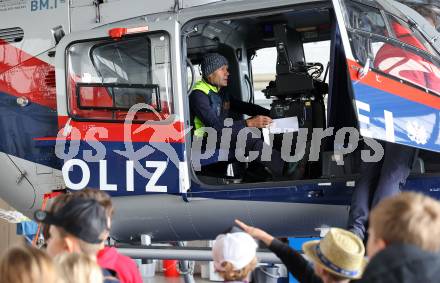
(210, 105)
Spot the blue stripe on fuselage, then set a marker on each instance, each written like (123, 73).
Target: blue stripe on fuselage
(115, 166)
(415, 124)
(21, 125)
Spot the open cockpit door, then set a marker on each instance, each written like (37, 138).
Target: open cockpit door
(119, 106)
(394, 72)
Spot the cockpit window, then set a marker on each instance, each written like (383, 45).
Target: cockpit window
(127, 62)
(407, 34)
(391, 46)
(365, 18)
(107, 77)
(395, 60)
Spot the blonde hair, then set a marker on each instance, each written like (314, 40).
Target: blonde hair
(27, 264)
(408, 218)
(229, 274)
(78, 268)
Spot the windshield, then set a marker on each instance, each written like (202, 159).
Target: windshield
(107, 77)
(394, 47)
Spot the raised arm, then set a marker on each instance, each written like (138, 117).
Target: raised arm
(296, 264)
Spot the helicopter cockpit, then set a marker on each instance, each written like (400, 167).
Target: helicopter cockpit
(277, 60)
(292, 62)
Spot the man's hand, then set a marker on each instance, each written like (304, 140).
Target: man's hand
(258, 121)
(256, 232)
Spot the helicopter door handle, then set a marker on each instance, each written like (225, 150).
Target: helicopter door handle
(315, 194)
(364, 71)
(67, 128)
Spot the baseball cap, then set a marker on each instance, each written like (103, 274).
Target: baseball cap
(237, 248)
(83, 218)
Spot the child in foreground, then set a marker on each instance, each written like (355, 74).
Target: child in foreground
(234, 256)
(337, 258)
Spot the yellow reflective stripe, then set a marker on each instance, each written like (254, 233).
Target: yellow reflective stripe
(205, 87)
(198, 125)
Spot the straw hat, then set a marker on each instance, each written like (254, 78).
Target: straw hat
(339, 252)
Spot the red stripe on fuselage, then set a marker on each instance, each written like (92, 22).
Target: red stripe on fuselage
(391, 86)
(23, 75)
(170, 133)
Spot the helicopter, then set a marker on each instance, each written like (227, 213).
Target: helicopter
(95, 94)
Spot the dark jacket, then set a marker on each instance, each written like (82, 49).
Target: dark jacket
(295, 263)
(401, 264)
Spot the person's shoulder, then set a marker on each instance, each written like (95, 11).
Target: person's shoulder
(198, 97)
(127, 268)
(107, 250)
(118, 258)
(402, 260)
(123, 259)
(106, 256)
(196, 92)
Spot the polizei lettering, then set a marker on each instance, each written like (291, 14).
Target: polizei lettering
(158, 168)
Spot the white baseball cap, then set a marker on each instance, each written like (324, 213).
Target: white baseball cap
(237, 248)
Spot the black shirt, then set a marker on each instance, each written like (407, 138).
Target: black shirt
(295, 263)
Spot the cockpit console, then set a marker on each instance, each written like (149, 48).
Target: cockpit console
(296, 86)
